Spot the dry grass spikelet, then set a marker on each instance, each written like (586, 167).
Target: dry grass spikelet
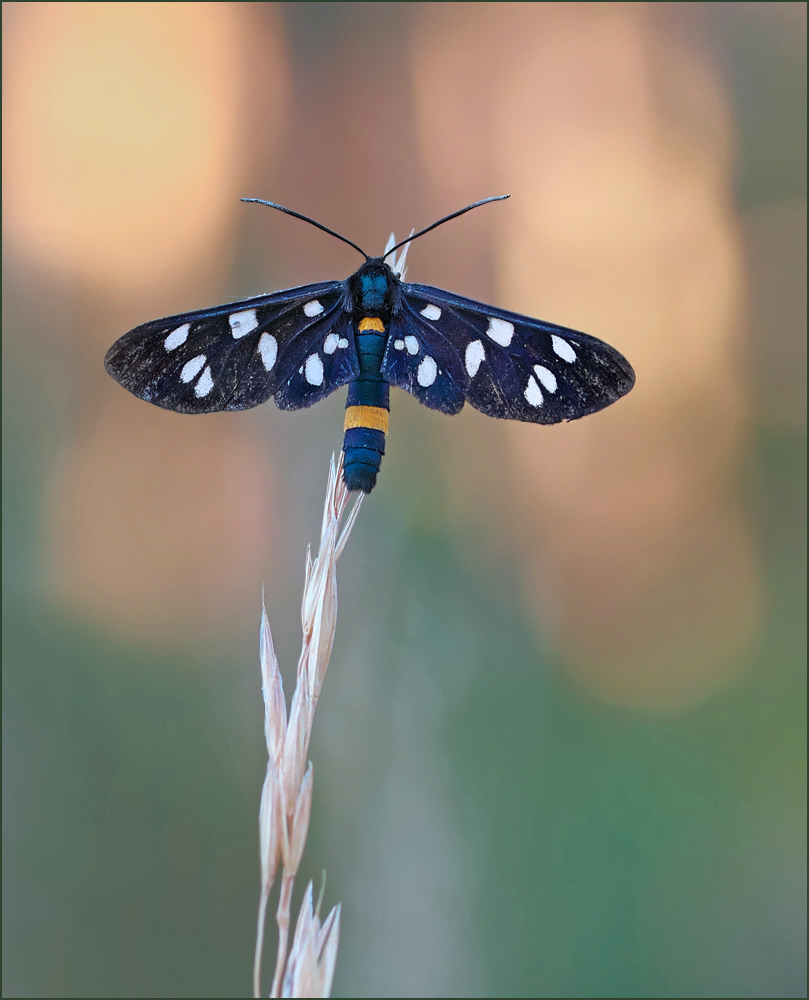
(286, 797)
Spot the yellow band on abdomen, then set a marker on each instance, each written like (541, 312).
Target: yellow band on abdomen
(373, 417)
(371, 323)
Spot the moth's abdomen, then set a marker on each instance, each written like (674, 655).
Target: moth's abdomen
(364, 446)
(366, 420)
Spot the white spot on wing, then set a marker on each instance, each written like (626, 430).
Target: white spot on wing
(313, 370)
(533, 393)
(177, 337)
(242, 323)
(428, 370)
(342, 343)
(500, 330)
(546, 377)
(398, 345)
(431, 312)
(268, 349)
(192, 368)
(205, 384)
(331, 343)
(411, 344)
(313, 308)
(563, 349)
(475, 355)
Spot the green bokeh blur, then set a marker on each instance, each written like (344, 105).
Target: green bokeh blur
(490, 827)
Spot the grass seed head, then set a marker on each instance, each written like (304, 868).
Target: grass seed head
(286, 797)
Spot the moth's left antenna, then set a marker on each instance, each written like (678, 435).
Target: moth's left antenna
(305, 218)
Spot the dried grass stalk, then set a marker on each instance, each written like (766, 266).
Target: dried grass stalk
(286, 798)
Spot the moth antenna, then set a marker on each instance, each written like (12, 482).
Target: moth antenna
(305, 218)
(475, 204)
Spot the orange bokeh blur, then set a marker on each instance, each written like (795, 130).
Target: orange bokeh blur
(619, 145)
(123, 140)
(130, 131)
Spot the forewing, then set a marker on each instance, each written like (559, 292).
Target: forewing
(238, 355)
(521, 368)
(421, 360)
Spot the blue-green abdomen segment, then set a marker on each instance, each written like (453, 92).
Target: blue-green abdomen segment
(367, 408)
(364, 448)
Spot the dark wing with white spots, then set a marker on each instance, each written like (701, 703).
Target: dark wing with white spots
(424, 362)
(296, 345)
(521, 368)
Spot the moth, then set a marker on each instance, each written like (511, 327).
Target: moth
(371, 331)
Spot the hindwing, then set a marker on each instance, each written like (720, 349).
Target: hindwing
(421, 360)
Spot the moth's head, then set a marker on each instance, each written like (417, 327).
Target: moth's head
(373, 286)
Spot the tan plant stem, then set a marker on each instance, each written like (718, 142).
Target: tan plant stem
(262, 909)
(282, 919)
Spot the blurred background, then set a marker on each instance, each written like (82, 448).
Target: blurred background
(560, 750)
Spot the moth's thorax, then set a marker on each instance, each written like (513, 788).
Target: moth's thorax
(373, 288)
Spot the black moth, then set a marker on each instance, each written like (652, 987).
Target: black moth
(371, 331)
